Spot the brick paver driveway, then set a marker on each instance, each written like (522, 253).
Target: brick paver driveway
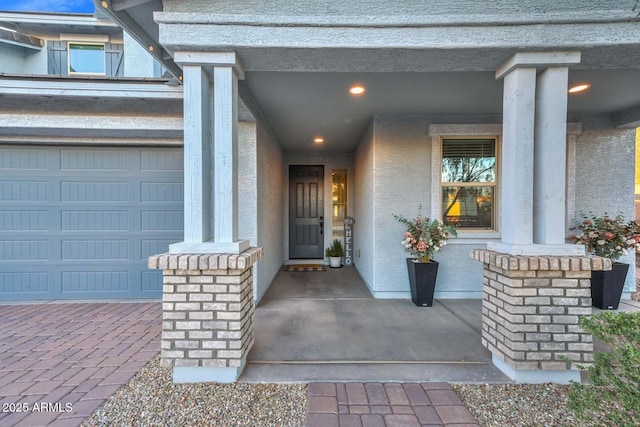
(59, 362)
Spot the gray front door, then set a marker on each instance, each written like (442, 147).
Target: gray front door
(306, 215)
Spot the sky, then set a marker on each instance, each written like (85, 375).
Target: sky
(73, 6)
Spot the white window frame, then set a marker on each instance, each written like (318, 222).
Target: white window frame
(438, 132)
(76, 73)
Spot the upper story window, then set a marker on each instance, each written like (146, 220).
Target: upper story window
(86, 58)
(469, 183)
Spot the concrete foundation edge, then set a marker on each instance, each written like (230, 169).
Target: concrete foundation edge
(526, 376)
(202, 374)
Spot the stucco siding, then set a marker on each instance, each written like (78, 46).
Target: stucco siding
(363, 229)
(384, 7)
(605, 173)
(402, 170)
(12, 59)
(270, 200)
(137, 61)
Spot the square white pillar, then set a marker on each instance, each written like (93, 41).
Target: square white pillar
(225, 119)
(211, 153)
(550, 157)
(517, 156)
(533, 205)
(197, 154)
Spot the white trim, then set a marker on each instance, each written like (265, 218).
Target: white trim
(392, 20)
(537, 60)
(90, 141)
(436, 133)
(210, 59)
(85, 38)
(56, 19)
(75, 88)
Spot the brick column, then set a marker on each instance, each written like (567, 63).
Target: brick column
(530, 311)
(208, 311)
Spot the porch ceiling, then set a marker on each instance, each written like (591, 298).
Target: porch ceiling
(303, 105)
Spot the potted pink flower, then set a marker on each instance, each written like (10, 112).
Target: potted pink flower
(422, 239)
(608, 237)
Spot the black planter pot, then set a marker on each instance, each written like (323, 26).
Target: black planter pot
(606, 286)
(422, 277)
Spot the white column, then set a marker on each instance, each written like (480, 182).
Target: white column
(225, 118)
(197, 154)
(211, 168)
(517, 156)
(549, 202)
(533, 205)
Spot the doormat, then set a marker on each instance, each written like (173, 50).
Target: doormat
(305, 267)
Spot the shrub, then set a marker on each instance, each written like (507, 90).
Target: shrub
(613, 390)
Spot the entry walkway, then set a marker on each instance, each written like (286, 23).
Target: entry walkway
(59, 362)
(326, 327)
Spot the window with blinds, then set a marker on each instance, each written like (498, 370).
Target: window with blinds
(86, 59)
(469, 183)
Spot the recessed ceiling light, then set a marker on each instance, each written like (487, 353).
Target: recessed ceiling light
(579, 88)
(105, 4)
(318, 140)
(356, 90)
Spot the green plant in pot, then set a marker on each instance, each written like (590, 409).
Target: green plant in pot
(335, 253)
(422, 239)
(608, 237)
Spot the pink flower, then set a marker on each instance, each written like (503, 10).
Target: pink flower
(407, 235)
(609, 235)
(422, 246)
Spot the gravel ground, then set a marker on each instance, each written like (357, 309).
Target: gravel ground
(521, 405)
(151, 399)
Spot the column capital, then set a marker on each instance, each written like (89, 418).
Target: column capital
(538, 60)
(209, 60)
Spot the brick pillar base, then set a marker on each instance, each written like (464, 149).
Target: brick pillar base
(208, 311)
(530, 310)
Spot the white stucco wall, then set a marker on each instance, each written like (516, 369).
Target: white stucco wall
(13, 59)
(247, 178)
(260, 200)
(137, 60)
(363, 229)
(384, 7)
(402, 170)
(605, 174)
(270, 204)
(35, 61)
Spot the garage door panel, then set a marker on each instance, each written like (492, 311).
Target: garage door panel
(107, 250)
(23, 220)
(23, 191)
(161, 192)
(91, 281)
(23, 250)
(31, 159)
(97, 191)
(81, 223)
(151, 281)
(24, 282)
(161, 220)
(95, 160)
(94, 220)
(154, 161)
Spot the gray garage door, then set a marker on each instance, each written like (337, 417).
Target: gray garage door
(79, 223)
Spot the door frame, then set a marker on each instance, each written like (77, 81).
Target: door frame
(329, 161)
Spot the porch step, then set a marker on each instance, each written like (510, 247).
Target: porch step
(305, 372)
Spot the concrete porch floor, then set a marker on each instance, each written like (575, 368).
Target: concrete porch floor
(326, 326)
